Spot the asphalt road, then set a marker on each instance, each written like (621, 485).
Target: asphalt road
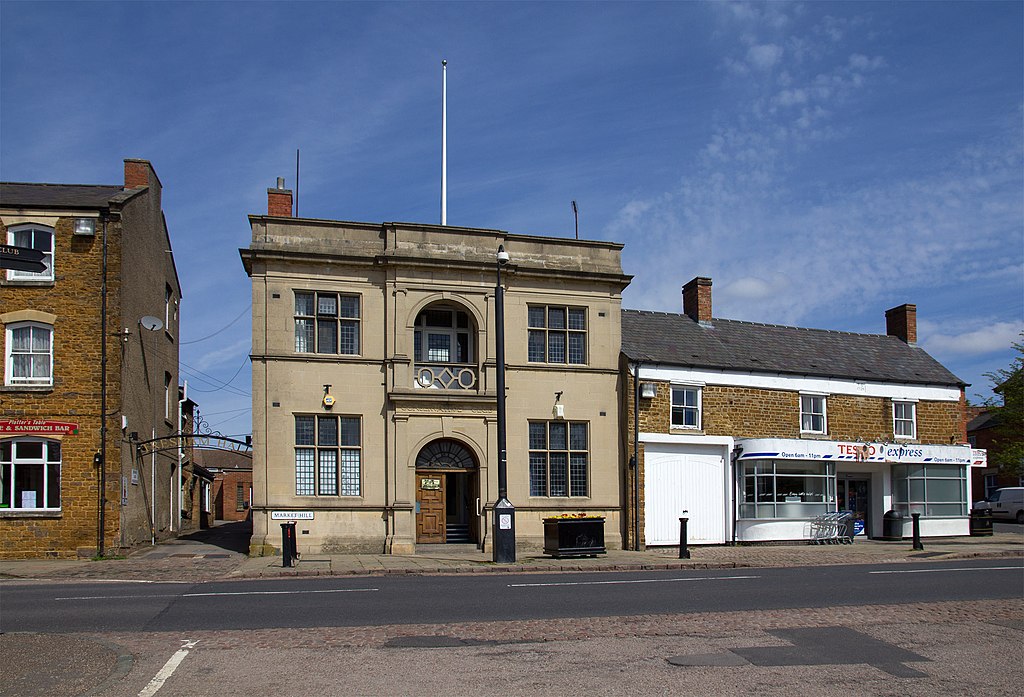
(354, 602)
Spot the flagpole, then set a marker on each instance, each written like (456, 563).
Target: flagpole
(444, 142)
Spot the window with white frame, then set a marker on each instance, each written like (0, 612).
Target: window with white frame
(169, 401)
(328, 455)
(30, 474)
(812, 413)
(559, 452)
(904, 419)
(170, 309)
(686, 404)
(557, 334)
(29, 349)
(934, 491)
(327, 323)
(787, 489)
(38, 237)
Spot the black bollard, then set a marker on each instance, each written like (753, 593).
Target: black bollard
(288, 546)
(684, 553)
(917, 530)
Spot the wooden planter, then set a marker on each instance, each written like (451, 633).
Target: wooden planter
(574, 537)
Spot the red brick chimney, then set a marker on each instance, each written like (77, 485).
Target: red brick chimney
(901, 322)
(279, 200)
(138, 173)
(697, 300)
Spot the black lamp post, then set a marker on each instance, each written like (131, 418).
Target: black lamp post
(504, 530)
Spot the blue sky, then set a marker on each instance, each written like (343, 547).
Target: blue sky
(822, 162)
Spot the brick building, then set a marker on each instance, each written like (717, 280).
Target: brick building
(374, 381)
(754, 430)
(95, 333)
(231, 493)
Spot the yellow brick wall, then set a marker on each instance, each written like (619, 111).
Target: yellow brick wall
(743, 412)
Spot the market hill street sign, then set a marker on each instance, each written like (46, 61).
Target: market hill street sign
(21, 259)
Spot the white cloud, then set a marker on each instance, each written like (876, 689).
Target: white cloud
(764, 56)
(991, 338)
(863, 63)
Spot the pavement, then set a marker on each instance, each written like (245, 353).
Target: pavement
(220, 553)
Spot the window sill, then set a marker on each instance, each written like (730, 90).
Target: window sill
(29, 513)
(48, 283)
(26, 388)
(814, 435)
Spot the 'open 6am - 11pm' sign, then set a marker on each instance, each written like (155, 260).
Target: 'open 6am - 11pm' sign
(37, 427)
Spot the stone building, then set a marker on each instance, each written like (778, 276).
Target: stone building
(753, 431)
(96, 332)
(374, 401)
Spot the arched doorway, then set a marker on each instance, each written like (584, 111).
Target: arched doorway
(446, 493)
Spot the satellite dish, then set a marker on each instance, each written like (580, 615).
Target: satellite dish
(151, 323)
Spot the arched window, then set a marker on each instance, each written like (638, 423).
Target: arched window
(444, 348)
(38, 237)
(443, 335)
(29, 354)
(445, 454)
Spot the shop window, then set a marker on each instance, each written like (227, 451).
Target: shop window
(29, 352)
(559, 454)
(557, 334)
(904, 419)
(327, 323)
(686, 404)
(934, 491)
(788, 489)
(38, 237)
(328, 455)
(812, 414)
(30, 474)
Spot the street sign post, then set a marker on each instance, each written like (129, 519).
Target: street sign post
(21, 259)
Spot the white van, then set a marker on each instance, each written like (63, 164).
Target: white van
(1006, 503)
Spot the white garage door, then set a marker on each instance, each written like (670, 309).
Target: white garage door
(681, 478)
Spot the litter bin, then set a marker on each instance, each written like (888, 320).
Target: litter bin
(892, 526)
(981, 524)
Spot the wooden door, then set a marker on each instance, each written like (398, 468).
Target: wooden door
(430, 504)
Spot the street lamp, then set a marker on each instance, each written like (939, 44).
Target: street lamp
(504, 531)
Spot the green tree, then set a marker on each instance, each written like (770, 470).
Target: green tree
(1007, 450)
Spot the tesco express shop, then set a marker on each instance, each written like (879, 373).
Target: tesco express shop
(782, 485)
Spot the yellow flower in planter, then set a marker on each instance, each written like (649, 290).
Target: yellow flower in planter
(574, 516)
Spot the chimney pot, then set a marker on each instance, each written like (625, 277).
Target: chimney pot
(901, 322)
(697, 300)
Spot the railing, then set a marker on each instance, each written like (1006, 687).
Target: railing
(445, 376)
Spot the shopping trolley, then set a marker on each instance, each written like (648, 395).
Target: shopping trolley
(832, 528)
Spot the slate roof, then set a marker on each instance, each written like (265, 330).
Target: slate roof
(676, 339)
(986, 419)
(25, 195)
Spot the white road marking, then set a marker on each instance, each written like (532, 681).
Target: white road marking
(213, 594)
(939, 571)
(613, 583)
(168, 670)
